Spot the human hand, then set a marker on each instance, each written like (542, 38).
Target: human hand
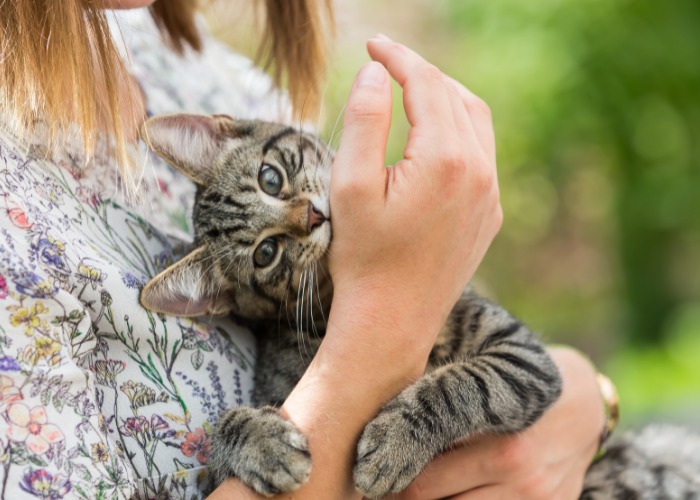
(547, 460)
(408, 237)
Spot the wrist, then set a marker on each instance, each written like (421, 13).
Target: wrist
(398, 325)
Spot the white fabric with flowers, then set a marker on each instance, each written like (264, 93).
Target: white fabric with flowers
(100, 398)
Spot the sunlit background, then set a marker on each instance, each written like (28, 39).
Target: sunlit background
(597, 112)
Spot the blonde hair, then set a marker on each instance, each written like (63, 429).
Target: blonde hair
(58, 63)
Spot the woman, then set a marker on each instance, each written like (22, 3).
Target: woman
(101, 398)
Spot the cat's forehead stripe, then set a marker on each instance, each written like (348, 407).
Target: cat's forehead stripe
(273, 140)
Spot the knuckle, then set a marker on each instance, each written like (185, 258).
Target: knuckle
(477, 104)
(361, 111)
(425, 75)
(484, 178)
(433, 73)
(536, 486)
(455, 161)
(498, 217)
(512, 456)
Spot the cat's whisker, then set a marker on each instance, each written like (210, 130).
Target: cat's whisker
(318, 293)
(335, 129)
(300, 325)
(311, 301)
(298, 318)
(309, 306)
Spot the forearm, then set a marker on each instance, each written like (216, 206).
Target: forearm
(343, 388)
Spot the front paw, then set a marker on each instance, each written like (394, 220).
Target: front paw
(263, 450)
(389, 455)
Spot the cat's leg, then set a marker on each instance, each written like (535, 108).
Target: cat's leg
(504, 383)
(283, 356)
(262, 449)
(256, 445)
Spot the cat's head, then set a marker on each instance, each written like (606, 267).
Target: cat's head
(261, 215)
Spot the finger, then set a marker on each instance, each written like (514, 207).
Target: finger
(480, 115)
(463, 469)
(425, 97)
(359, 162)
(490, 492)
(462, 120)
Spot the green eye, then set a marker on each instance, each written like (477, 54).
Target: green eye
(270, 180)
(265, 253)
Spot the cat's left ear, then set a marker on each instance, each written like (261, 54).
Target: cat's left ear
(190, 287)
(191, 143)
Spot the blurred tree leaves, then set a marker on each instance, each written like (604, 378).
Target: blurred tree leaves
(604, 92)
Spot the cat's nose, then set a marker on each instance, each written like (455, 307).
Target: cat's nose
(315, 218)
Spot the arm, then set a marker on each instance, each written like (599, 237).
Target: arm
(394, 291)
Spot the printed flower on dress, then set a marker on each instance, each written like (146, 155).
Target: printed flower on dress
(44, 349)
(133, 281)
(90, 276)
(141, 395)
(3, 287)
(99, 452)
(197, 442)
(107, 371)
(41, 483)
(8, 392)
(9, 364)
(29, 317)
(17, 215)
(50, 252)
(31, 428)
(35, 286)
(144, 431)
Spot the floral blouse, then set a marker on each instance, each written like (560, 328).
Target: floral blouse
(100, 398)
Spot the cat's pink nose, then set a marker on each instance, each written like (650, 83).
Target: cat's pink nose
(314, 219)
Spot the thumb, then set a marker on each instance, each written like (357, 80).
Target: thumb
(359, 162)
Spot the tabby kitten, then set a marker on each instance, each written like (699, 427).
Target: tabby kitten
(262, 232)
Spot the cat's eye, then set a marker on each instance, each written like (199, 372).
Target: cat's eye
(265, 253)
(270, 180)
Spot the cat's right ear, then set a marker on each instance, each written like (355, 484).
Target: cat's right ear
(191, 143)
(190, 287)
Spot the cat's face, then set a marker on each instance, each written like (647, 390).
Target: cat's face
(261, 216)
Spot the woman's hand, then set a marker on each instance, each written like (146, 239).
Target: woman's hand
(408, 237)
(546, 461)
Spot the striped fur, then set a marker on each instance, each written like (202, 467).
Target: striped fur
(658, 463)
(487, 372)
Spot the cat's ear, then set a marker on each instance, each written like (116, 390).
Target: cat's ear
(191, 143)
(190, 287)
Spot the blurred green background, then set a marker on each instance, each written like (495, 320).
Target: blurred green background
(596, 106)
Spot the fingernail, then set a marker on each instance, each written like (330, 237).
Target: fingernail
(382, 36)
(371, 75)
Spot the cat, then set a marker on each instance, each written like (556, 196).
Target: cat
(262, 231)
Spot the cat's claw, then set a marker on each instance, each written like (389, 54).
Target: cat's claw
(263, 450)
(384, 462)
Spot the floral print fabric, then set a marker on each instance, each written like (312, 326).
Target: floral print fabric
(100, 398)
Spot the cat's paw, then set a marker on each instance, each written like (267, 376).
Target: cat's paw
(388, 457)
(263, 450)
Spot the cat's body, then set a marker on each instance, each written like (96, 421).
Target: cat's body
(262, 229)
